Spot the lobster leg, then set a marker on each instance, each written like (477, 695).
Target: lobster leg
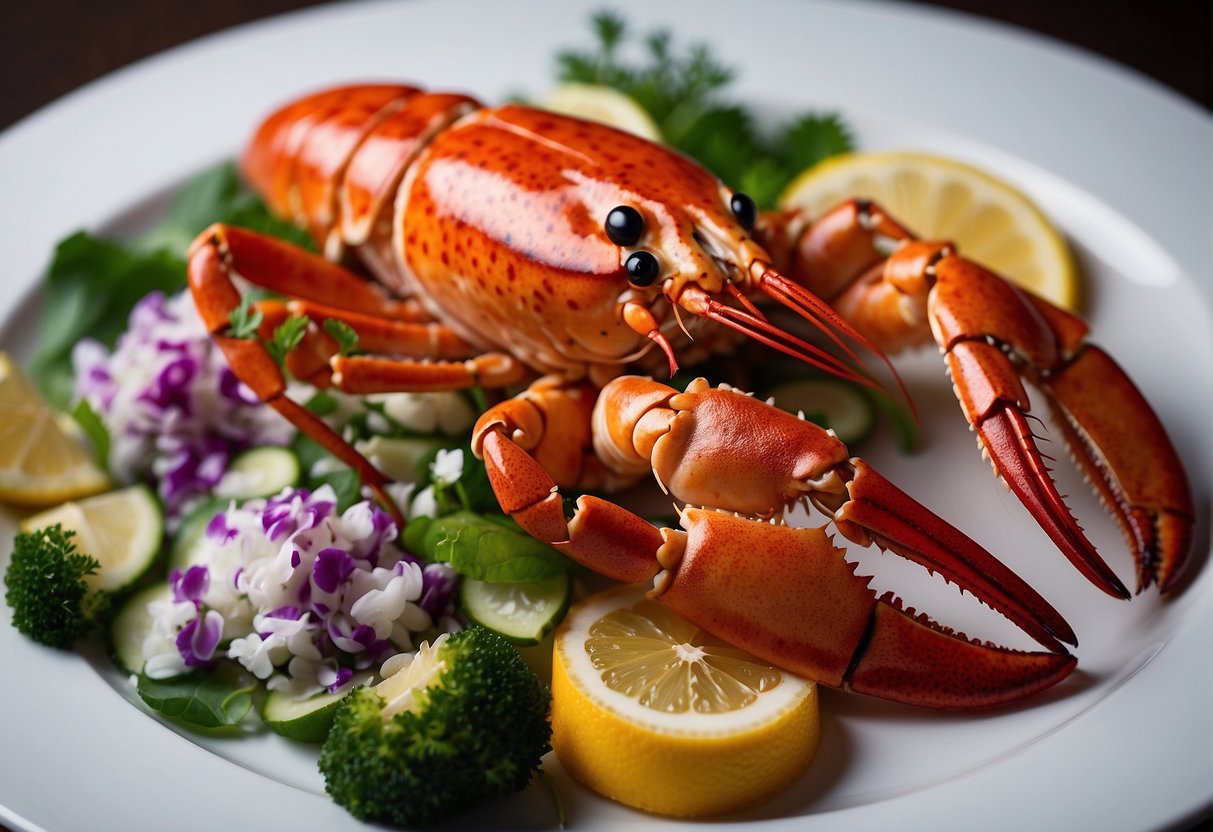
(317, 359)
(784, 594)
(216, 297)
(902, 292)
(333, 293)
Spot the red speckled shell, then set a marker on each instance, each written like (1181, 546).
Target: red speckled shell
(379, 163)
(503, 230)
(331, 121)
(493, 218)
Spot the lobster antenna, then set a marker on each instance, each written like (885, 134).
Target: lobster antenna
(697, 301)
(745, 302)
(813, 309)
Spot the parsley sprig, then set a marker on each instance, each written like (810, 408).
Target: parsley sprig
(683, 92)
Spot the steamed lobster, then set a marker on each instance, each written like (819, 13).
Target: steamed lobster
(518, 246)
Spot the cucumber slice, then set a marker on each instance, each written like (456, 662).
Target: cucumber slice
(399, 457)
(181, 555)
(830, 403)
(523, 613)
(304, 720)
(261, 472)
(131, 625)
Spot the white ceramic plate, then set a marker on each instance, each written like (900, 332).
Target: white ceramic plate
(1120, 164)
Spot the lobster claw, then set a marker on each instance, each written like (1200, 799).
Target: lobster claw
(801, 606)
(992, 334)
(784, 594)
(787, 594)
(1123, 448)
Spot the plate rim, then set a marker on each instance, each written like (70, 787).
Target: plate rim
(1128, 86)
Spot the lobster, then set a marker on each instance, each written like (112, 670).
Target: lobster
(510, 246)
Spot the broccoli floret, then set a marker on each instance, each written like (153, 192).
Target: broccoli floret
(52, 603)
(476, 728)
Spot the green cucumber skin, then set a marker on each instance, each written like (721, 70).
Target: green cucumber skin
(272, 459)
(280, 709)
(517, 637)
(125, 625)
(191, 531)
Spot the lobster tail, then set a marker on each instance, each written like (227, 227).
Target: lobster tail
(331, 162)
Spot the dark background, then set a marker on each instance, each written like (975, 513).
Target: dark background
(50, 47)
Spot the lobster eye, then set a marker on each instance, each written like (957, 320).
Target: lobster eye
(643, 268)
(744, 210)
(624, 225)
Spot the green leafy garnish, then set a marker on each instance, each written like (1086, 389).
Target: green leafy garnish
(670, 88)
(92, 284)
(343, 479)
(203, 698)
(245, 319)
(89, 291)
(489, 548)
(94, 428)
(471, 492)
(683, 94)
(322, 403)
(343, 334)
(47, 588)
(216, 195)
(287, 335)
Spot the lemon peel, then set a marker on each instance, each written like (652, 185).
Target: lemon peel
(651, 712)
(937, 198)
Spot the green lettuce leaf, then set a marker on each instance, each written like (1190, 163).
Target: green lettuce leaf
(202, 698)
(490, 548)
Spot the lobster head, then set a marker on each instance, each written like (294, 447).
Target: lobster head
(628, 234)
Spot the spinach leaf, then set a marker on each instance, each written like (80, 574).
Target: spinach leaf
(94, 428)
(89, 291)
(484, 547)
(203, 698)
(216, 195)
(93, 284)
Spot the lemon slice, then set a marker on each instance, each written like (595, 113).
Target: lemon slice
(603, 104)
(123, 530)
(941, 199)
(40, 465)
(650, 711)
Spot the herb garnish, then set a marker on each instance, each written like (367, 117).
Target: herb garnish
(683, 94)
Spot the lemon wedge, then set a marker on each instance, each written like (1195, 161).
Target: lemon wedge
(122, 529)
(603, 104)
(650, 711)
(40, 465)
(937, 198)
